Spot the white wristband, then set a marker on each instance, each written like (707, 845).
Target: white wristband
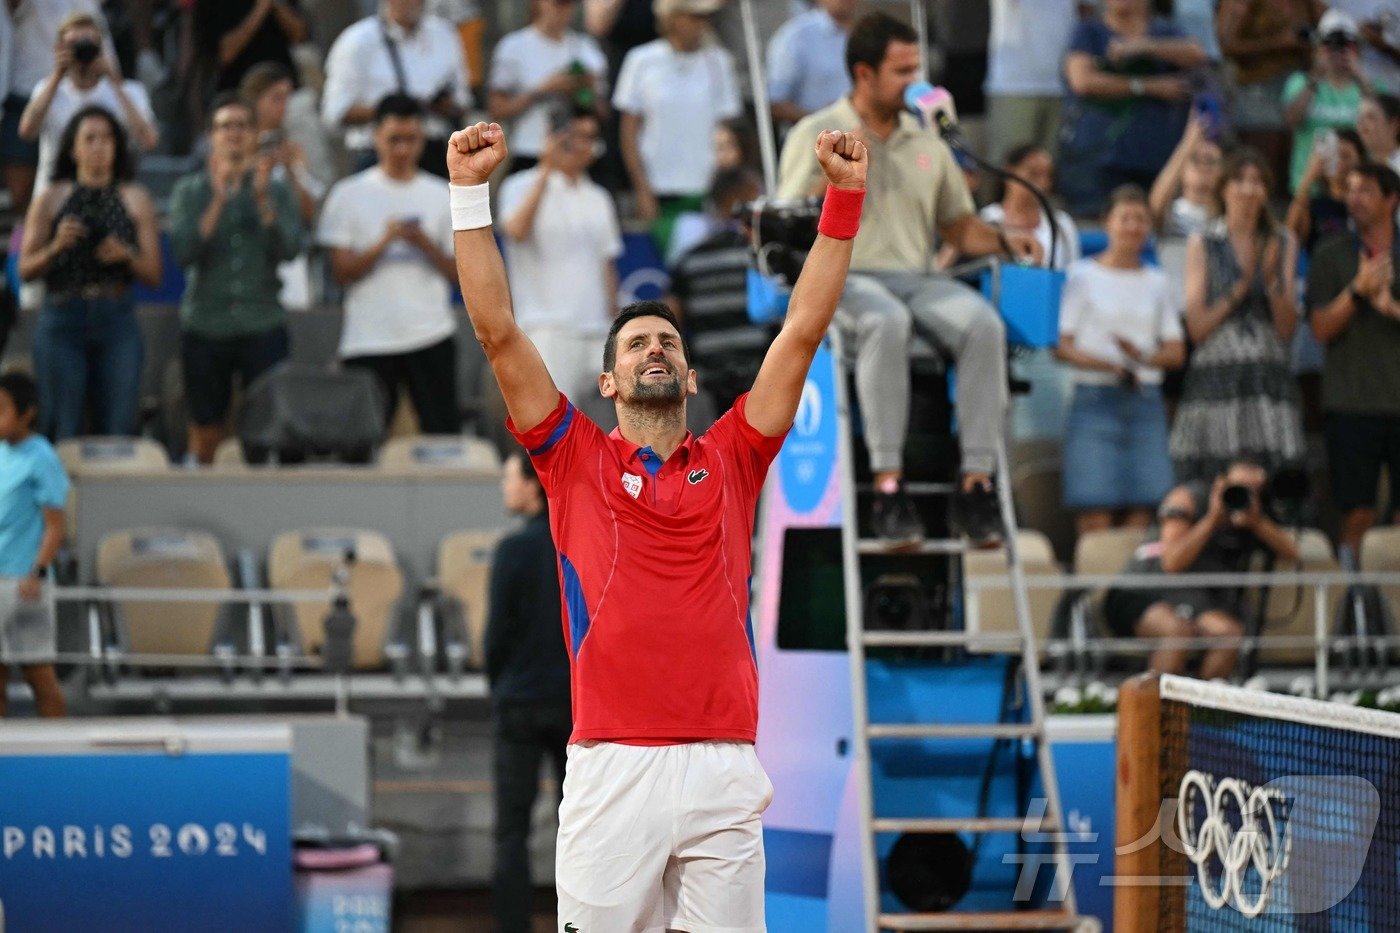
(471, 206)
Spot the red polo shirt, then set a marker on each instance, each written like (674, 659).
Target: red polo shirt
(654, 566)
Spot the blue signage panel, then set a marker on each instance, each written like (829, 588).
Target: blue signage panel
(144, 842)
(809, 454)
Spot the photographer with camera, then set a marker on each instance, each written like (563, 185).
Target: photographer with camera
(1200, 528)
(399, 50)
(1354, 307)
(83, 76)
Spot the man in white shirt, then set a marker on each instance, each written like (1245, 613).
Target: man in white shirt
(401, 50)
(1025, 49)
(807, 60)
(82, 76)
(388, 234)
(671, 93)
(562, 241)
(544, 69)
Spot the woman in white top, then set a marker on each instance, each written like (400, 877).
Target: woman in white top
(1018, 209)
(1119, 328)
(1040, 412)
(670, 94)
(1183, 197)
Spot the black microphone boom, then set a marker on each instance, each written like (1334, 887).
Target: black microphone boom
(952, 135)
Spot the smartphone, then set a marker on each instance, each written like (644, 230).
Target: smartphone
(1325, 144)
(1207, 107)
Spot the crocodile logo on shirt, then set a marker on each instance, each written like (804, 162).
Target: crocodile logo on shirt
(696, 476)
(570, 928)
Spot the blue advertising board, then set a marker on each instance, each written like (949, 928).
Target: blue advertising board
(167, 839)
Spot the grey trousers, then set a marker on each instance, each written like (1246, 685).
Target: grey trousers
(876, 317)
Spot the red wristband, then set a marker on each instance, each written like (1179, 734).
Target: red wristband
(841, 213)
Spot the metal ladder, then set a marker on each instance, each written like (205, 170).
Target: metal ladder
(1049, 825)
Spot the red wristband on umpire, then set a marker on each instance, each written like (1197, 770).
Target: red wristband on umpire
(841, 213)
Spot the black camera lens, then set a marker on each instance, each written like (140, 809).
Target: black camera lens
(1237, 498)
(85, 51)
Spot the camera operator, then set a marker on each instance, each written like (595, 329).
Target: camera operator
(83, 75)
(1199, 529)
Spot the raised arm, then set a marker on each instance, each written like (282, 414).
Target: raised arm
(772, 403)
(529, 391)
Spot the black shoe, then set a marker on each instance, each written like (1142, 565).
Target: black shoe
(895, 518)
(976, 514)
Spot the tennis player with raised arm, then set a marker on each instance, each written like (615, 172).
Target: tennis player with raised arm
(659, 828)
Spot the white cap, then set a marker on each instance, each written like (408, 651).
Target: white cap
(1335, 21)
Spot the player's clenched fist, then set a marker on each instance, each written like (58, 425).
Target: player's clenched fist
(475, 152)
(843, 158)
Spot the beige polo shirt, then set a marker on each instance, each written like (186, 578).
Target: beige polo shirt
(913, 187)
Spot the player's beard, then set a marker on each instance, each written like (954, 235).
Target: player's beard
(660, 394)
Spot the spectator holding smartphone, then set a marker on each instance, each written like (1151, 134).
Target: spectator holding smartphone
(231, 225)
(388, 233)
(1119, 329)
(1183, 198)
(1319, 207)
(1329, 95)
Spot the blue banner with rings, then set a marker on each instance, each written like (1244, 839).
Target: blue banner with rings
(146, 841)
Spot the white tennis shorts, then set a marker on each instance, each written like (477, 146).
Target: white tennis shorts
(655, 838)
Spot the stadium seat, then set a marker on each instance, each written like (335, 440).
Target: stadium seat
(1037, 489)
(89, 455)
(307, 559)
(164, 558)
(1289, 609)
(464, 573)
(1380, 553)
(229, 455)
(439, 452)
(1100, 553)
(997, 612)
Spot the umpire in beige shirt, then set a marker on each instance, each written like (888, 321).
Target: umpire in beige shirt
(914, 192)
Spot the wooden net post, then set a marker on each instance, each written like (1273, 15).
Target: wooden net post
(1137, 837)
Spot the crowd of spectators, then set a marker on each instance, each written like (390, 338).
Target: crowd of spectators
(1233, 139)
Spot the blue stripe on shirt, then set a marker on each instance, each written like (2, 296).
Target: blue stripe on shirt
(558, 432)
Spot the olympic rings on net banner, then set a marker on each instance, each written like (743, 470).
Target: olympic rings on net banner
(1262, 840)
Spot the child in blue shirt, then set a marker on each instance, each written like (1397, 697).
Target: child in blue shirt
(33, 491)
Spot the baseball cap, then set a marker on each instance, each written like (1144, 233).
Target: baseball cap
(1336, 25)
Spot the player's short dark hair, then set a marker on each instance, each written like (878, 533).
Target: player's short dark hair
(22, 390)
(1383, 175)
(397, 105)
(630, 313)
(870, 38)
(227, 99)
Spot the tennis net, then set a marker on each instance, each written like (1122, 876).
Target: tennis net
(1246, 810)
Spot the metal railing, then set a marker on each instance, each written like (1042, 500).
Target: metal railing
(1369, 640)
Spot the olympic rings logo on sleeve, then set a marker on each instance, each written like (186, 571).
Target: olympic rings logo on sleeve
(1260, 841)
